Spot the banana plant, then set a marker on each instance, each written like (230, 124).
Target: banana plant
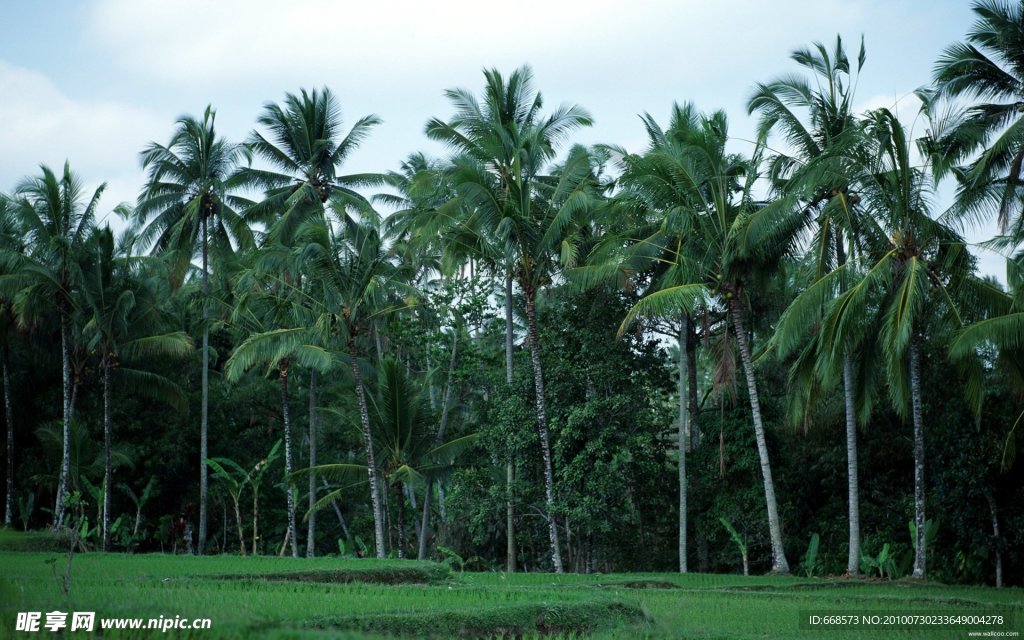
(139, 501)
(741, 544)
(255, 479)
(233, 478)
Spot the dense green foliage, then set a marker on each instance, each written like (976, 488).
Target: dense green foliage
(537, 351)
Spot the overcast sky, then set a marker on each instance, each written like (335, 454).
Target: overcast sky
(95, 81)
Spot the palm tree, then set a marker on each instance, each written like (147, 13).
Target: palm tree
(817, 120)
(989, 69)
(503, 144)
(641, 239)
(725, 242)
(276, 308)
(9, 244)
(355, 282)
(409, 451)
(433, 220)
(917, 268)
(121, 303)
(188, 201)
(305, 151)
(427, 230)
(56, 221)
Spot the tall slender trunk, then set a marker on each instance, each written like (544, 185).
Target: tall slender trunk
(65, 460)
(691, 376)
(377, 344)
(400, 500)
(996, 540)
(337, 512)
(313, 423)
(425, 521)
(852, 475)
(542, 428)
(919, 516)
(9, 415)
(510, 469)
(853, 483)
(442, 427)
(371, 462)
(779, 563)
(255, 518)
(204, 452)
(682, 444)
(108, 470)
(440, 502)
(238, 521)
(410, 495)
(288, 465)
(509, 329)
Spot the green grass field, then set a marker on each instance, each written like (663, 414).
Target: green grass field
(332, 597)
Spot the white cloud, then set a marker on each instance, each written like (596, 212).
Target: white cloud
(100, 139)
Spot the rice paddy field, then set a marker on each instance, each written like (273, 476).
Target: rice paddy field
(271, 597)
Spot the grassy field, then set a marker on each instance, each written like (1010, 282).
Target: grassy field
(332, 597)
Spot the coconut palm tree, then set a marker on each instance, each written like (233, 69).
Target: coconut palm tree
(917, 268)
(189, 201)
(503, 145)
(121, 306)
(409, 452)
(725, 242)
(817, 121)
(305, 150)
(431, 218)
(56, 219)
(642, 237)
(355, 282)
(9, 244)
(427, 231)
(277, 311)
(987, 69)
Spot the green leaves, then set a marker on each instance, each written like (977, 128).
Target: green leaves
(274, 346)
(666, 303)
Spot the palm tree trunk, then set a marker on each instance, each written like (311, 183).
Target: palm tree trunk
(337, 512)
(204, 452)
(313, 420)
(853, 483)
(238, 521)
(510, 469)
(691, 365)
(9, 415)
(400, 500)
(255, 519)
(682, 443)
(65, 460)
(288, 465)
(371, 462)
(779, 563)
(377, 344)
(996, 540)
(108, 470)
(542, 428)
(425, 523)
(919, 517)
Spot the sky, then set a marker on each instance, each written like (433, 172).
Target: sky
(94, 81)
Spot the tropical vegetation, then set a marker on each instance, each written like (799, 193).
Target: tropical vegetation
(530, 354)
